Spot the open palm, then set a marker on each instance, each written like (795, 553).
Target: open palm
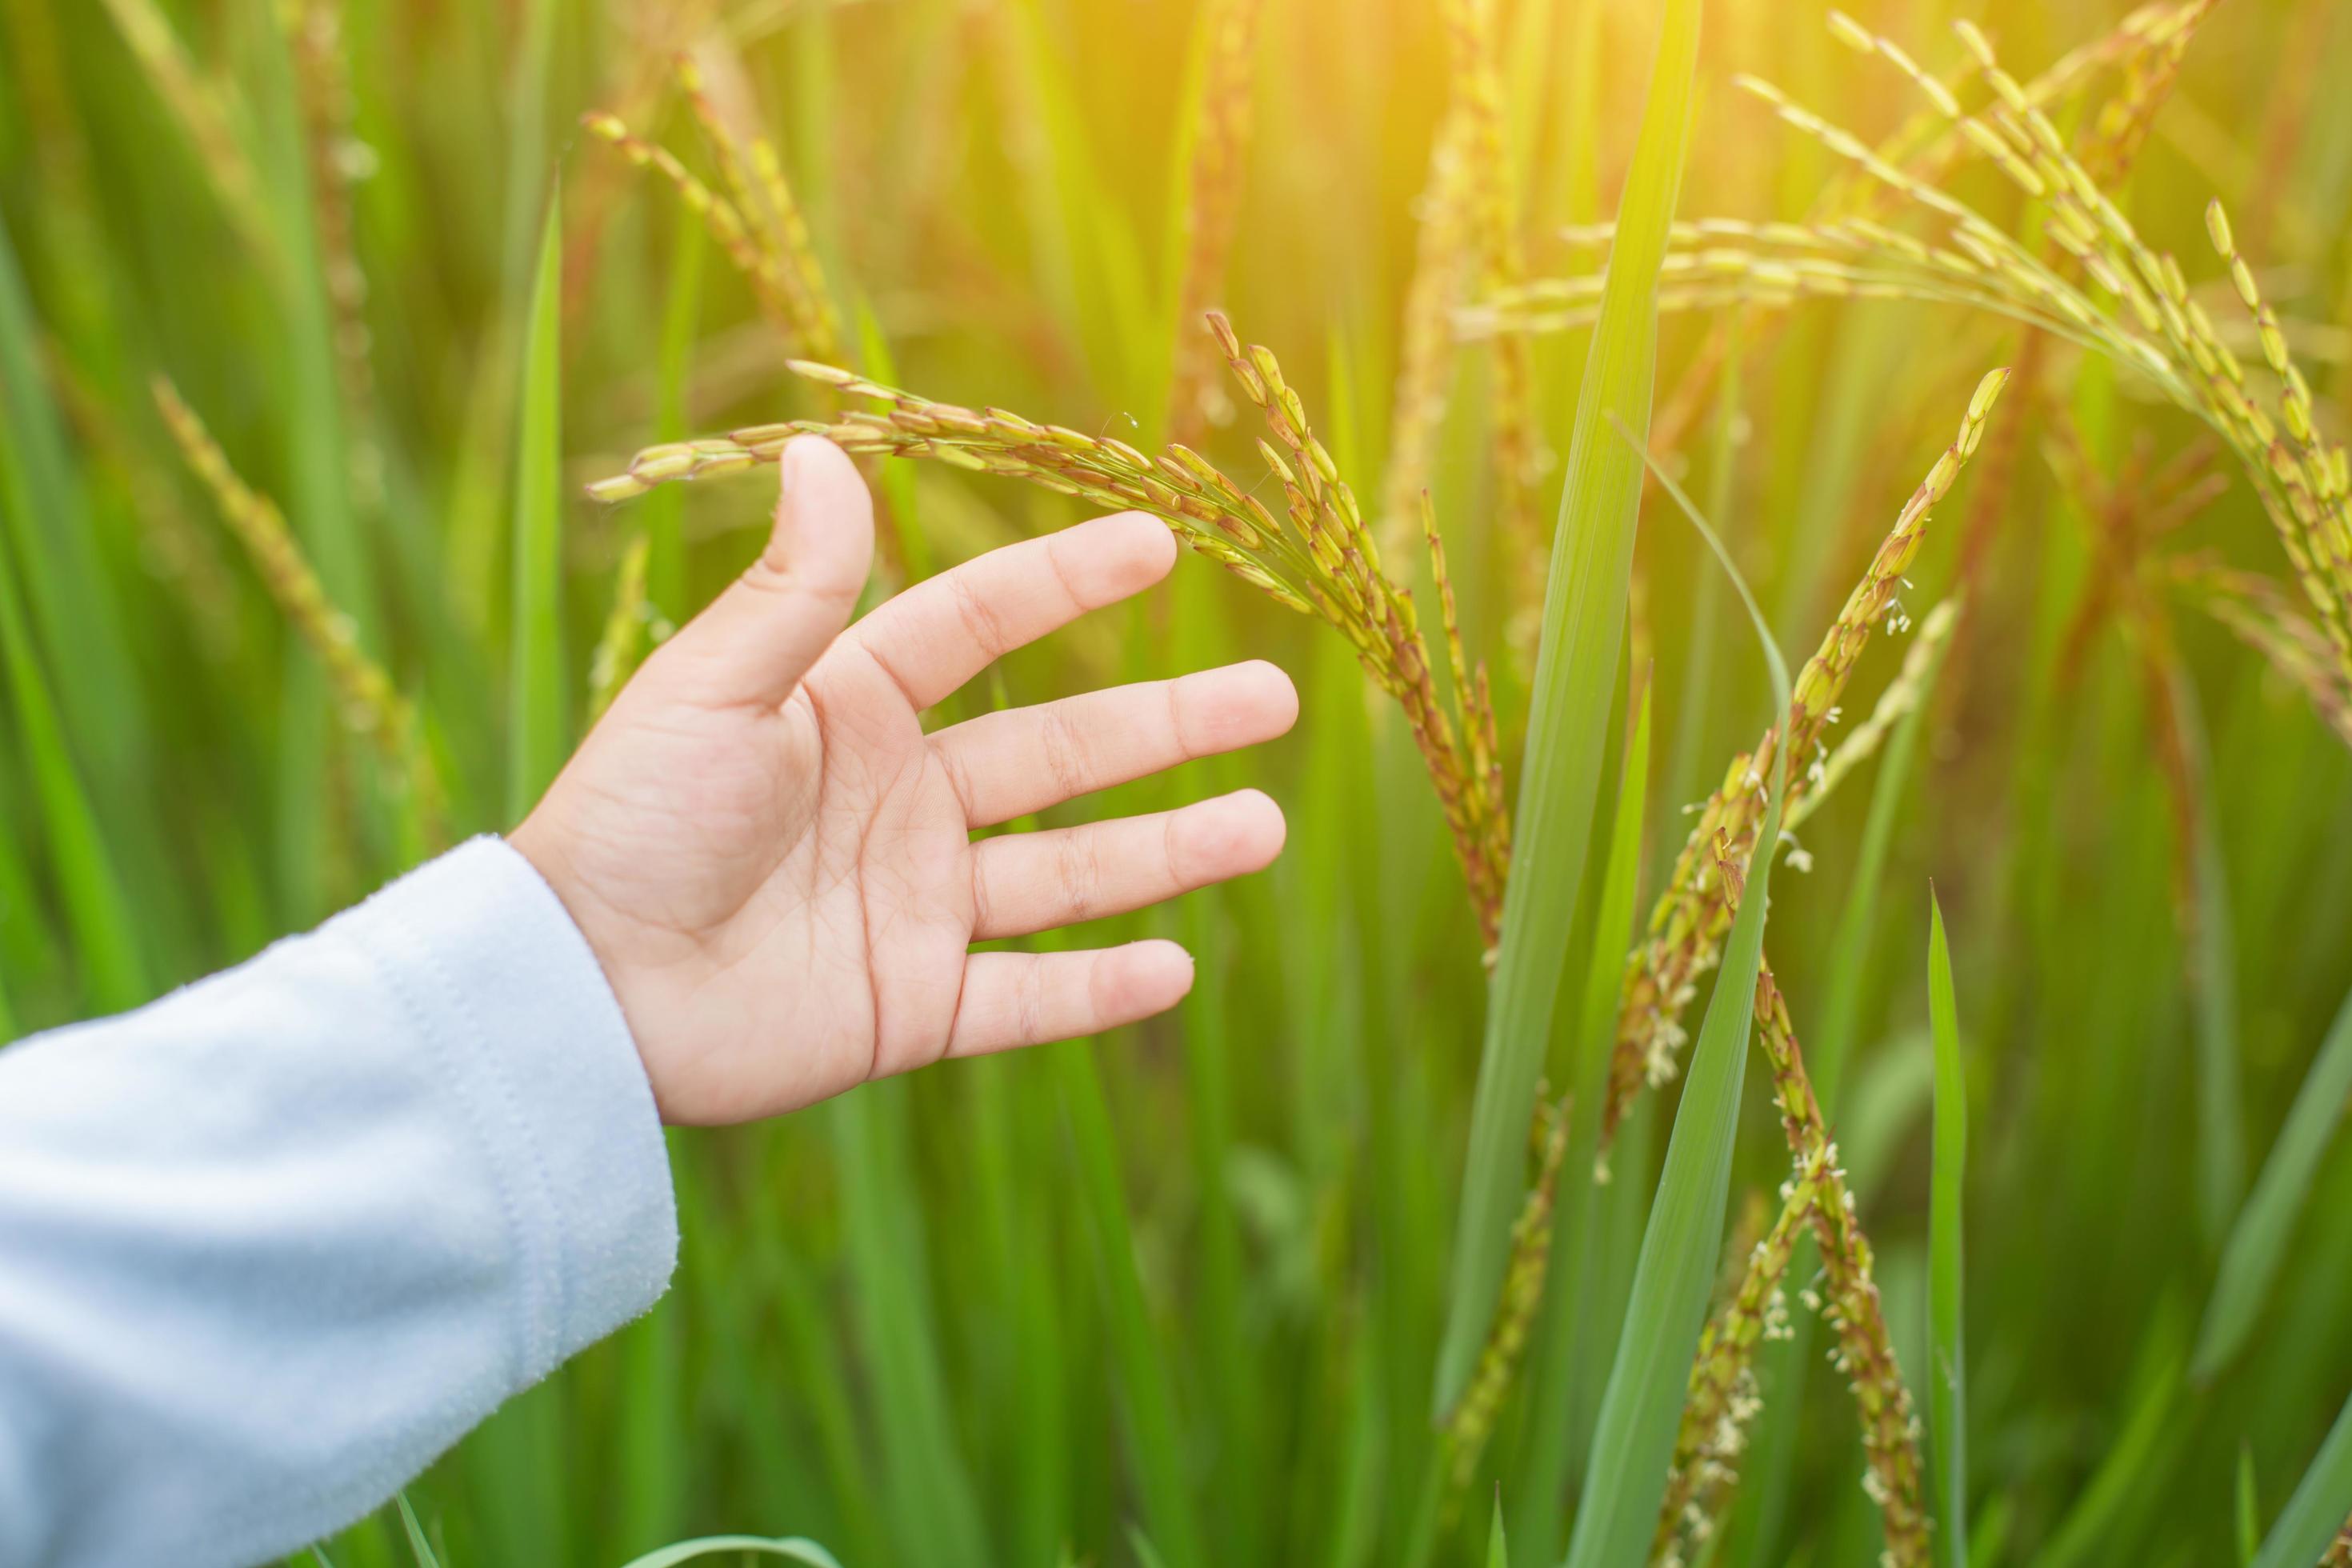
(773, 862)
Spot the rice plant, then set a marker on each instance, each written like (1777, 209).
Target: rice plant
(380, 385)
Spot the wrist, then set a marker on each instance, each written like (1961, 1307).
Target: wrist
(542, 845)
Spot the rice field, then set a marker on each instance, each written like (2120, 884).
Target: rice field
(1805, 1015)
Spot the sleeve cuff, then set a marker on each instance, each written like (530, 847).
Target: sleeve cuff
(483, 952)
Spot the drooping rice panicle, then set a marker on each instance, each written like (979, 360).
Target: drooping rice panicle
(779, 297)
(372, 707)
(763, 198)
(1850, 1300)
(1472, 1422)
(2267, 621)
(1686, 925)
(2148, 320)
(1221, 139)
(1925, 145)
(1725, 1398)
(1490, 186)
(2310, 472)
(1319, 558)
(2148, 74)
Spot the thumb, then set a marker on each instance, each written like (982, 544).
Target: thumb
(756, 640)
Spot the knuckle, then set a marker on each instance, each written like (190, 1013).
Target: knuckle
(1064, 753)
(979, 618)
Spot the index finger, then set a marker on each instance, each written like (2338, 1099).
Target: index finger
(941, 632)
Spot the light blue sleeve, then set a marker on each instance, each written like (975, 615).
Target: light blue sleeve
(270, 1244)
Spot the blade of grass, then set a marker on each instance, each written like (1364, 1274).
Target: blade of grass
(791, 1548)
(931, 1506)
(105, 941)
(2257, 1244)
(1575, 686)
(75, 620)
(1577, 1331)
(1948, 1407)
(536, 719)
(417, 1543)
(1498, 1552)
(1147, 1395)
(1640, 1409)
(2248, 1508)
(2143, 1455)
(2320, 1502)
(2213, 983)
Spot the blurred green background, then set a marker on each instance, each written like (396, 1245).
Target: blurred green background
(1174, 1296)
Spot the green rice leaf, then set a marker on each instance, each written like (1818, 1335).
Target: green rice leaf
(1770, 1464)
(1948, 1406)
(1498, 1554)
(105, 941)
(417, 1542)
(2257, 1244)
(791, 1548)
(2248, 1508)
(1633, 1440)
(1578, 1328)
(1575, 684)
(537, 724)
(1147, 1391)
(2321, 1501)
(74, 620)
(934, 1508)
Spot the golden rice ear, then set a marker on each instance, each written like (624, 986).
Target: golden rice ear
(1319, 560)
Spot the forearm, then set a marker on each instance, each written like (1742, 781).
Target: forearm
(271, 1244)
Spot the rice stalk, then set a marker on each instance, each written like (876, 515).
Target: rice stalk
(372, 707)
(338, 161)
(1318, 559)
(1947, 1404)
(1472, 1423)
(207, 115)
(1441, 272)
(1212, 191)
(623, 642)
(1493, 221)
(1690, 916)
(2119, 588)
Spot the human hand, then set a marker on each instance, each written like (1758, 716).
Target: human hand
(772, 860)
